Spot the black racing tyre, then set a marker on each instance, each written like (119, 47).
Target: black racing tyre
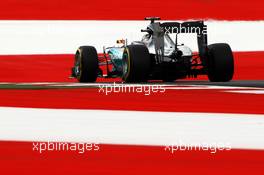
(136, 63)
(220, 63)
(87, 59)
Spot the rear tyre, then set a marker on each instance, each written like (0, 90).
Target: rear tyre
(136, 63)
(86, 64)
(220, 63)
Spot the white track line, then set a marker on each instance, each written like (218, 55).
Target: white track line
(57, 37)
(259, 92)
(127, 127)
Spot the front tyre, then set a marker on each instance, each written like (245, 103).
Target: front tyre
(220, 63)
(136, 63)
(86, 64)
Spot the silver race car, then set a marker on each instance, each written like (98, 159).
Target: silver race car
(157, 56)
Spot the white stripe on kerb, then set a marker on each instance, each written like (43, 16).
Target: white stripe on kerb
(58, 37)
(131, 127)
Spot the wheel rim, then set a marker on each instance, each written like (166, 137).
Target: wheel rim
(125, 64)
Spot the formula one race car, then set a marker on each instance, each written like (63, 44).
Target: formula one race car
(157, 57)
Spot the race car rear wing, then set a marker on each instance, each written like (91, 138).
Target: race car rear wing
(197, 27)
(158, 30)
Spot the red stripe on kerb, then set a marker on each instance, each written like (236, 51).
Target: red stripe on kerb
(18, 158)
(213, 101)
(57, 68)
(127, 10)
